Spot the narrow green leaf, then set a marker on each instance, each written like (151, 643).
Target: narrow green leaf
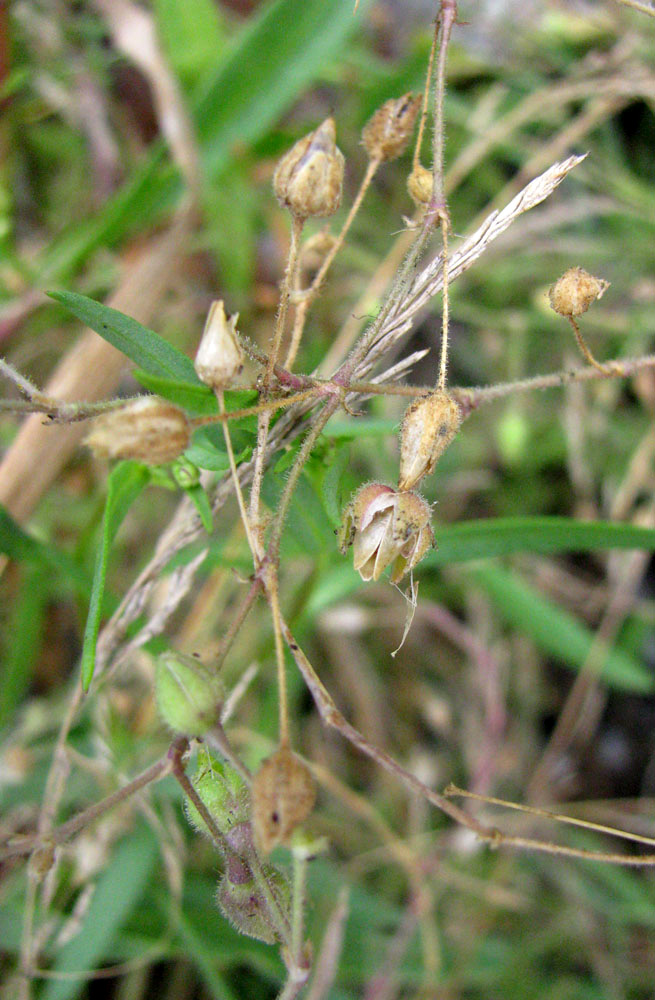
(118, 891)
(360, 427)
(270, 62)
(554, 630)
(496, 537)
(205, 960)
(193, 36)
(142, 346)
(194, 398)
(23, 547)
(201, 502)
(125, 482)
(277, 54)
(505, 535)
(332, 484)
(23, 638)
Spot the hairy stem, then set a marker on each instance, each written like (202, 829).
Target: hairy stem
(252, 541)
(582, 344)
(310, 294)
(264, 420)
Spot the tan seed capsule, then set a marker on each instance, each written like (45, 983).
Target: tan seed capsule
(428, 427)
(419, 185)
(283, 795)
(309, 177)
(386, 528)
(148, 430)
(219, 358)
(575, 291)
(386, 135)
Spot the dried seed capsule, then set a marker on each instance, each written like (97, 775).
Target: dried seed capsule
(428, 427)
(308, 178)
(386, 134)
(386, 528)
(283, 796)
(575, 291)
(219, 358)
(223, 792)
(189, 697)
(148, 430)
(243, 903)
(419, 185)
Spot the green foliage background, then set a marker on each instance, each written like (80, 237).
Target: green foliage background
(518, 563)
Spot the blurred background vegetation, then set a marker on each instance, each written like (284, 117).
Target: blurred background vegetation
(97, 175)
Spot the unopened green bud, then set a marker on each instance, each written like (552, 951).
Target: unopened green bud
(223, 792)
(189, 697)
(185, 473)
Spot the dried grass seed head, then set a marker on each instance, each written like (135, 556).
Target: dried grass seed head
(219, 358)
(429, 425)
(148, 430)
(387, 133)
(308, 179)
(386, 527)
(283, 796)
(575, 291)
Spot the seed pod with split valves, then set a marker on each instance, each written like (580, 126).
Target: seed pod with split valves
(387, 133)
(575, 291)
(283, 796)
(429, 425)
(189, 696)
(219, 358)
(308, 179)
(386, 528)
(148, 430)
(222, 791)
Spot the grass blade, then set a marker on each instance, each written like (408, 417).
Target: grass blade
(505, 535)
(554, 630)
(118, 891)
(125, 482)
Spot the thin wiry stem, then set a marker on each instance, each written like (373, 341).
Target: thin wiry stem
(447, 18)
(445, 310)
(264, 420)
(310, 294)
(298, 904)
(285, 293)
(489, 835)
(582, 344)
(426, 98)
(612, 831)
(273, 596)
(62, 833)
(305, 451)
(643, 8)
(252, 542)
